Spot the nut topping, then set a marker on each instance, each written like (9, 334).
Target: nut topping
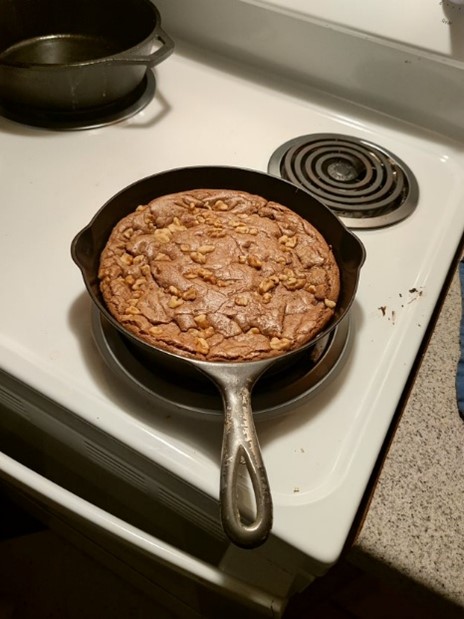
(162, 235)
(219, 275)
(202, 346)
(254, 262)
(162, 256)
(206, 249)
(190, 294)
(197, 257)
(175, 302)
(219, 205)
(202, 321)
(241, 300)
(281, 344)
(267, 284)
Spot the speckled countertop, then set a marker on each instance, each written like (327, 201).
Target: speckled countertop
(415, 523)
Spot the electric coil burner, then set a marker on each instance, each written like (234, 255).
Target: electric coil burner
(274, 394)
(366, 185)
(90, 118)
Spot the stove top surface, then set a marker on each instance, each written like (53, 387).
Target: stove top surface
(211, 111)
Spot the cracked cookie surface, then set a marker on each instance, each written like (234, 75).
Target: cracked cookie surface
(219, 275)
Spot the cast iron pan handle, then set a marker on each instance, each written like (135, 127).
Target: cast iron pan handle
(240, 446)
(150, 60)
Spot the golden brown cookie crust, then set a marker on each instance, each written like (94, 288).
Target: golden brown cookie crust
(219, 275)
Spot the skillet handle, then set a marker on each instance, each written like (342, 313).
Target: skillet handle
(240, 445)
(150, 60)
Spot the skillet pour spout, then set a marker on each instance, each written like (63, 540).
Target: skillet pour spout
(235, 381)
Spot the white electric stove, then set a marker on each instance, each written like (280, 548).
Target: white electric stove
(99, 451)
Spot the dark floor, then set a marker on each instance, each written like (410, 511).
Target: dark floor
(44, 577)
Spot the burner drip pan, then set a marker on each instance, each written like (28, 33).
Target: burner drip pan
(274, 394)
(364, 184)
(90, 118)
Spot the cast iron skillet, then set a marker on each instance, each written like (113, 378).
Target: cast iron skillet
(74, 55)
(234, 380)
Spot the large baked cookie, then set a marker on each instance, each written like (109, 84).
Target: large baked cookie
(219, 275)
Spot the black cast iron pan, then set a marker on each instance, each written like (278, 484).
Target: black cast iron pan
(234, 380)
(78, 55)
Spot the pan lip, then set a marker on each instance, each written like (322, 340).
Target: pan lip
(211, 169)
(206, 167)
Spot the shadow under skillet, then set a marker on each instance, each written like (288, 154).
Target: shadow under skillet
(277, 392)
(206, 436)
(193, 411)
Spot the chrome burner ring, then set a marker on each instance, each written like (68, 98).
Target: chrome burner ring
(366, 185)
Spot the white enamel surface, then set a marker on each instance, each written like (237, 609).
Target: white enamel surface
(431, 26)
(320, 457)
(345, 56)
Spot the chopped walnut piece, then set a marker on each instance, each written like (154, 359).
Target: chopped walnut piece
(162, 256)
(176, 226)
(139, 283)
(190, 294)
(220, 205)
(207, 275)
(202, 321)
(127, 259)
(267, 296)
(330, 304)
(254, 261)
(162, 235)
(267, 284)
(175, 291)
(241, 300)
(217, 233)
(294, 283)
(292, 242)
(197, 257)
(174, 302)
(206, 249)
(281, 344)
(202, 346)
